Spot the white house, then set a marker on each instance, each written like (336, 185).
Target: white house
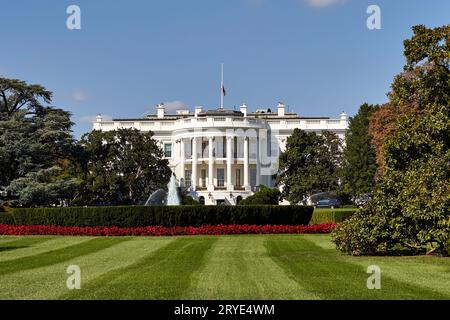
(222, 155)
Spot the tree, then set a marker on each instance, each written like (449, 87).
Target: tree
(36, 147)
(360, 166)
(17, 95)
(424, 82)
(41, 188)
(265, 195)
(410, 208)
(29, 143)
(122, 167)
(309, 165)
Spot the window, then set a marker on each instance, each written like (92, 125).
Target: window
(224, 146)
(168, 150)
(205, 150)
(238, 178)
(188, 178)
(203, 178)
(220, 177)
(253, 177)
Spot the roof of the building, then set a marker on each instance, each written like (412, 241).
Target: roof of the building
(221, 113)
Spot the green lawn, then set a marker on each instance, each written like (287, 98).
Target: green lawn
(210, 267)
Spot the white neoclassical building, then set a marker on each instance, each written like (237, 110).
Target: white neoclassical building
(222, 155)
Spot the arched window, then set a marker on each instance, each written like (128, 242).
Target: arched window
(238, 199)
(201, 200)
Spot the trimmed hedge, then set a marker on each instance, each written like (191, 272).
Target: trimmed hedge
(331, 216)
(168, 216)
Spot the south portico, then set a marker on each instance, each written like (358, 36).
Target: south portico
(218, 168)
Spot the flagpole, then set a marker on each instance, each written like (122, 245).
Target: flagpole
(221, 89)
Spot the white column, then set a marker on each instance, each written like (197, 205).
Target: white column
(194, 164)
(210, 164)
(258, 165)
(246, 165)
(182, 159)
(229, 164)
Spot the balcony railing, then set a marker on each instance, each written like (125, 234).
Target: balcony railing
(251, 156)
(205, 155)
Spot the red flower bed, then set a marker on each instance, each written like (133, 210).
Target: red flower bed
(163, 231)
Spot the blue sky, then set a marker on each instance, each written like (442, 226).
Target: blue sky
(315, 55)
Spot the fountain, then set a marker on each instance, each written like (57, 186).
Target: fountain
(173, 199)
(162, 197)
(157, 198)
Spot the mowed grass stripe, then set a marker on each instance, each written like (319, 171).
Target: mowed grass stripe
(36, 245)
(324, 273)
(164, 274)
(19, 243)
(57, 256)
(50, 282)
(428, 272)
(7, 239)
(238, 267)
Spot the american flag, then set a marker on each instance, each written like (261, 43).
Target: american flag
(224, 93)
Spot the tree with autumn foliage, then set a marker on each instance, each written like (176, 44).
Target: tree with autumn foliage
(423, 83)
(410, 209)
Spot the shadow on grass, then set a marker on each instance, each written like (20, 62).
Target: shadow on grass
(11, 248)
(22, 243)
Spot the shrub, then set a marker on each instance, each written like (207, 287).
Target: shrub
(362, 234)
(169, 216)
(188, 200)
(331, 216)
(264, 196)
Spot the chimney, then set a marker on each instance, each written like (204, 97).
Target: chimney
(281, 109)
(197, 109)
(160, 108)
(97, 125)
(343, 117)
(243, 109)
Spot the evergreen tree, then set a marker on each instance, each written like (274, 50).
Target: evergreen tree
(35, 149)
(359, 154)
(18, 95)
